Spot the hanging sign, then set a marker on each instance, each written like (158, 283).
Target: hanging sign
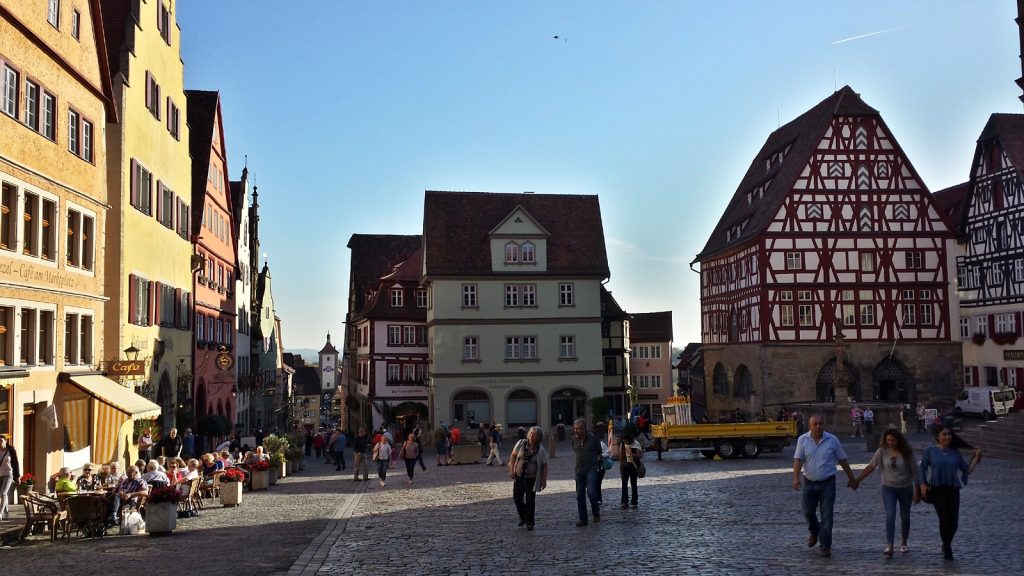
(126, 367)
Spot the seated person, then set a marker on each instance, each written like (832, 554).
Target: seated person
(63, 481)
(114, 476)
(259, 454)
(191, 473)
(154, 476)
(104, 472)
(88, 482)
(226, 459)
(126, 494)
(211, 465)
(174, 472)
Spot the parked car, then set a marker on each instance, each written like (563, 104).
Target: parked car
(985, 401)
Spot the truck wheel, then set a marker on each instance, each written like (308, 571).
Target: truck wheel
(727, 451)
(709, 454)
(958, 411)
(986, 415)
(751, 449)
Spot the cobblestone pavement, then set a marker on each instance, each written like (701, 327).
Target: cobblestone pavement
(695, 517)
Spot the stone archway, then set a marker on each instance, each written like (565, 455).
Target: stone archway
(824, 388)
(522, 408)
(743, 383)
(720, 381)
(472, 407)
(568, 404)
(892, 382)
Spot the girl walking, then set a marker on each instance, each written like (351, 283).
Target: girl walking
(10, 474)
(410, 452)
(382, 455)
(940, 482)
(895, 461)
(629, 459)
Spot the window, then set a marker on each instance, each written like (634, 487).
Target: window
(965, 328)
(183, 219)
(30, 238)
(173, 120)
(529, 295)
(152, 96)
(164, 205)
(567, 347)
(397, 298)
(408, 372)
(394, 335)
(87, 141)
(983, 325)
(914, 260)
(49, 113)
(511, 253)
(565, 294)
(469, 296)
(53, 13)
(46, 340)
(48, 230)
(200, 329)
(511, 295)
(167, 303)
(794, 261)
(78, 339)
(28, 337)
(142, 188)
(8, 199)
(528, 252)
(520, 347)
(867, 261)
(806, 315)
(76, 24)
(926, 314)
(471, 348)
(867, 314)
(10, 95)
(73, 142)
(139, 312)
(520, 295)
(421, 298)
(32, 105)
(163, 23)
(409, 335)
(394, 372)
(643, 381)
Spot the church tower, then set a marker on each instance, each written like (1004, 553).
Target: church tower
(328, 367)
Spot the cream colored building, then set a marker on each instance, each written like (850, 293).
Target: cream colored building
(55, 108)
(514, 311)
(149, 264)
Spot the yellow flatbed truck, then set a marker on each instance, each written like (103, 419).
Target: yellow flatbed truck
(748, 439)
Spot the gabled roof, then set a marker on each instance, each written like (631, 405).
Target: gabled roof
(407, 275)
(952, 203)
(374, 256)
(328, 348)
(238, 189)
(686, 356)
(1009, 129)
(650, 327)
(202, 116)
(798, 139)
(117, 17)
(306, 382)
(456, 227)
(610, 308)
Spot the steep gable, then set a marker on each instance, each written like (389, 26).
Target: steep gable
(373, 257)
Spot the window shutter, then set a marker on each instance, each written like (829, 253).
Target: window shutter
(991, 325)
(974, 376)
(133, 294)
(170, 27)
(159, 19)
(177, 308)
(134, 183)
(149, 90)
(151, 301)
(160, 201)
(149, 191)
(157, 102)
(167, 106)
(188, 309)
(1020, 377)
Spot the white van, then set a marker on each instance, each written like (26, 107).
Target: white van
(986, 401)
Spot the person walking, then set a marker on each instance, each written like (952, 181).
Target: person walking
(441, 444)
(528, 468)
(857, 419)
(921, 415)
(409, 452)
(318, 444)
(188, 444)
(171, 445)
(601, 431)
(588, 453)
(630, 453)
(10, 474)
(495, 445)
(340, 442)
(817, 454)
(482, 436)
(382, 456)
(895, 461)
(869, 420)
(360, 446)
(417, 434)
(940, 485)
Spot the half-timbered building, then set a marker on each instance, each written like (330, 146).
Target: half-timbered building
(830, 234)
(990, 270)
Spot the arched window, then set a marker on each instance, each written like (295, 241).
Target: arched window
(744, 383)
(511, 252)
(721, 381)
(529, 252)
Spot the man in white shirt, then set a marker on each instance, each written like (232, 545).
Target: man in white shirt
(817, 454)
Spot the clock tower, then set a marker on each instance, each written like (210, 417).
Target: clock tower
(328, 367)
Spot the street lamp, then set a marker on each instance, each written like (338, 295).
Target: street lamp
(131, 353)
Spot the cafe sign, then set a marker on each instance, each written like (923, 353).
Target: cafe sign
(1013, 354)
(126, 367)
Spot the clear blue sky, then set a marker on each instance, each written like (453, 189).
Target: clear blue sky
(348, 111)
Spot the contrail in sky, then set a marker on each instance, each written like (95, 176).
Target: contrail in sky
(870, 34)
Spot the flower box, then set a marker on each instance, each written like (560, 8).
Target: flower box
(161, 518)
(230, 494)
(260, 479)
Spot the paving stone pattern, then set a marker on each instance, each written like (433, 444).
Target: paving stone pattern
(695, 517)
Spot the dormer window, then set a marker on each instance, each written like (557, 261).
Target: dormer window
(528, 252)
(511, 252)
(397, 298)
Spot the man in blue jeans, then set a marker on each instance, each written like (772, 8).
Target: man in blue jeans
(817, 454)
(588, 453)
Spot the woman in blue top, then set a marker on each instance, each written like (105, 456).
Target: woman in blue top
(943, 471)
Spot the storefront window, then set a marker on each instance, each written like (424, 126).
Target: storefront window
(5, 410)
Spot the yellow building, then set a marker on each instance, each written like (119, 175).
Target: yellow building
(148, 272)
(55, 107)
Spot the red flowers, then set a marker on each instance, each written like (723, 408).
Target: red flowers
(233, 475)
(260, 465)
(28, 479)
(168, 494)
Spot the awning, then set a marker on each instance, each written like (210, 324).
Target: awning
(117, 396)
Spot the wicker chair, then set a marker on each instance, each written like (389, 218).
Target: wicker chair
(210, 487)
(86, 515)
(192, 500)
(41, 511)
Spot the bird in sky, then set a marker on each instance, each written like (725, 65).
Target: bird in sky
(562, 38)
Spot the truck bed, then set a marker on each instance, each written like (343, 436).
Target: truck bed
(745, 430)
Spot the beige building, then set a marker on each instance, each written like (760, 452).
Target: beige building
(650, 364)
(55, 107)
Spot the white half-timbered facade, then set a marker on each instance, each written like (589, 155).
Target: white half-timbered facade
(831, 229)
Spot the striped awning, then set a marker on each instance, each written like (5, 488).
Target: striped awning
(118, 397)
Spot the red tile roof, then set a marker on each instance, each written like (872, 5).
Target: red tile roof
(951, 203)
(374, 256)
(650, 327)
(456, 228)
(801, 136)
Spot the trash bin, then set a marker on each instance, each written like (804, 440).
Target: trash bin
(872, 441)
(551, 446)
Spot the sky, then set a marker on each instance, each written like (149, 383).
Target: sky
(346, 112)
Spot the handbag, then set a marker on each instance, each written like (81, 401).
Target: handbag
(641, 469)
(606, 462)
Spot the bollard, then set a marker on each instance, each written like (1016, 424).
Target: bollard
(551, 446)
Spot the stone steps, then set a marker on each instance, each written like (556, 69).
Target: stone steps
(1003, 438)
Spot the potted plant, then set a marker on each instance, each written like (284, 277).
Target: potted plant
(260, 474)
(277, 467)
(27, 484)
(231, 487)
(294, 456)
(162, 510)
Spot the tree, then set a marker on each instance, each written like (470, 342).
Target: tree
(599, 409)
